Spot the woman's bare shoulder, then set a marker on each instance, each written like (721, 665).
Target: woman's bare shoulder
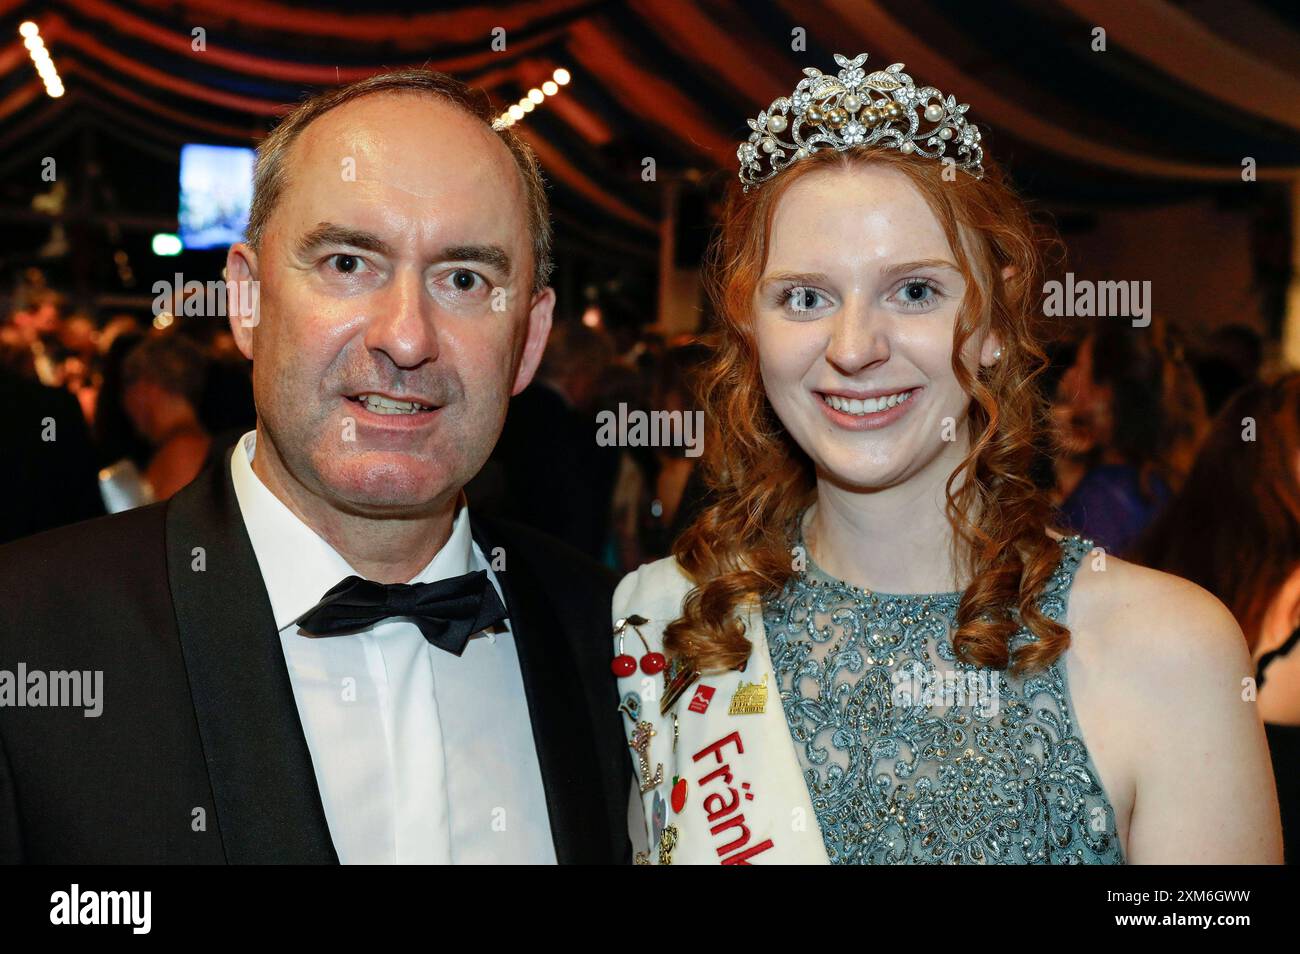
(1154, 625)
(1166, 666)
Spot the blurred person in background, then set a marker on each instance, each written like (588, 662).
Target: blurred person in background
(78, 338)
(15, 355)
(1047, 450)
(163, 379)
(655, 496)
(39, 324)
(77, 365)
(1128, 420)
(1229, 360)
(226, 408)
(1235, 529)
(555, 477)
(116, 326)
(48, 477)
(628, 384)
(116, 438)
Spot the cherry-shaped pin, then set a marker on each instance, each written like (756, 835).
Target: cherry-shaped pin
(623, 664)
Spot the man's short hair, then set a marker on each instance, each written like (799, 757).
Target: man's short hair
(271, 175)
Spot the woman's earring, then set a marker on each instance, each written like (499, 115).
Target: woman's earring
(997, 355)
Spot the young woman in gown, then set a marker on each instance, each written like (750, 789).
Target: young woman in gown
(878, 648)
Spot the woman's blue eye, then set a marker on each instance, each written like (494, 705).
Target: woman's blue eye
(917, 293)
(802, 298)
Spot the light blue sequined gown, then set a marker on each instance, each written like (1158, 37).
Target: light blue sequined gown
(914, 758)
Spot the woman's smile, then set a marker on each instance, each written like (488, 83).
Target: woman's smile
(871, 411)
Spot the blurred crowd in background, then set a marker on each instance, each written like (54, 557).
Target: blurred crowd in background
(1131, 409)
(1176, 454)
(110, 412)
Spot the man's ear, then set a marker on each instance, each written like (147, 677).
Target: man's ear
(243, 308)
(539, 329)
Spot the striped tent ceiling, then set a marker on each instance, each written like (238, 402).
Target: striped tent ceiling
(1182, 93)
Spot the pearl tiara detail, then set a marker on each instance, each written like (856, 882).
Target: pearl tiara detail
(858, 109)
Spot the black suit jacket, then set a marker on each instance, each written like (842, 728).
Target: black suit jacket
(199, 754)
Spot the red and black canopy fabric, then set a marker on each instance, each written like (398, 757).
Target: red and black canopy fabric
(1181, 94)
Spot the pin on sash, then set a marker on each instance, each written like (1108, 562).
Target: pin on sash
(678, 676)
(631, 707)
(640, 744)
(750, 698)
(667, 842)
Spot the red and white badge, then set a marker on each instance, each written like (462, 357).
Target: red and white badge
(700, 701)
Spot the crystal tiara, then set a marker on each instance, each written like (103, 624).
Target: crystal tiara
(858, 109)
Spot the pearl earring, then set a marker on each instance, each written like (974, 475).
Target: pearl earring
(997, 355)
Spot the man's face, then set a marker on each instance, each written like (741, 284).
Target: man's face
(395, 316)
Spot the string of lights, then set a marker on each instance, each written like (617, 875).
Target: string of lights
(534, 98)
(41, 59)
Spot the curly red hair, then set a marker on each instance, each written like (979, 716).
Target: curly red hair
(739, 548)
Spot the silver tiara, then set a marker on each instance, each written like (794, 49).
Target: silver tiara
(858, 109)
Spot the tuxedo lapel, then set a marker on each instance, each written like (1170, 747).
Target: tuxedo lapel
(565, 740)
(263, 783)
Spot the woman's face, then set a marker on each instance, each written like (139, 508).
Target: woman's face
(854, 318)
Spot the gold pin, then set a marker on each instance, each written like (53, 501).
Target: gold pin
(640, 744)
(667, 842)
(678, 676)
(750, 698)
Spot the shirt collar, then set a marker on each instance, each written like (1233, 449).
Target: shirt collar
(298, 567)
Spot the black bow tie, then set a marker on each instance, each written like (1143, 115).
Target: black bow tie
(448, 612)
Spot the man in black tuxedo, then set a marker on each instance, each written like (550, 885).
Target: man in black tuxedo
(314, 653)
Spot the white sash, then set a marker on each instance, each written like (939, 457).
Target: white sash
(745, 800)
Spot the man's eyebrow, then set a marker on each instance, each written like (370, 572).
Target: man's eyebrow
(494, 256)
(327, 234)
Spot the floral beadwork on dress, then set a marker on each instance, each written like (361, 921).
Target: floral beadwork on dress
(912, 757)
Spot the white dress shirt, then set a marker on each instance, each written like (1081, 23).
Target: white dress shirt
(421, 757)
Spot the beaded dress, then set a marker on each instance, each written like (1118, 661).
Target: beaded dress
(911, 757)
